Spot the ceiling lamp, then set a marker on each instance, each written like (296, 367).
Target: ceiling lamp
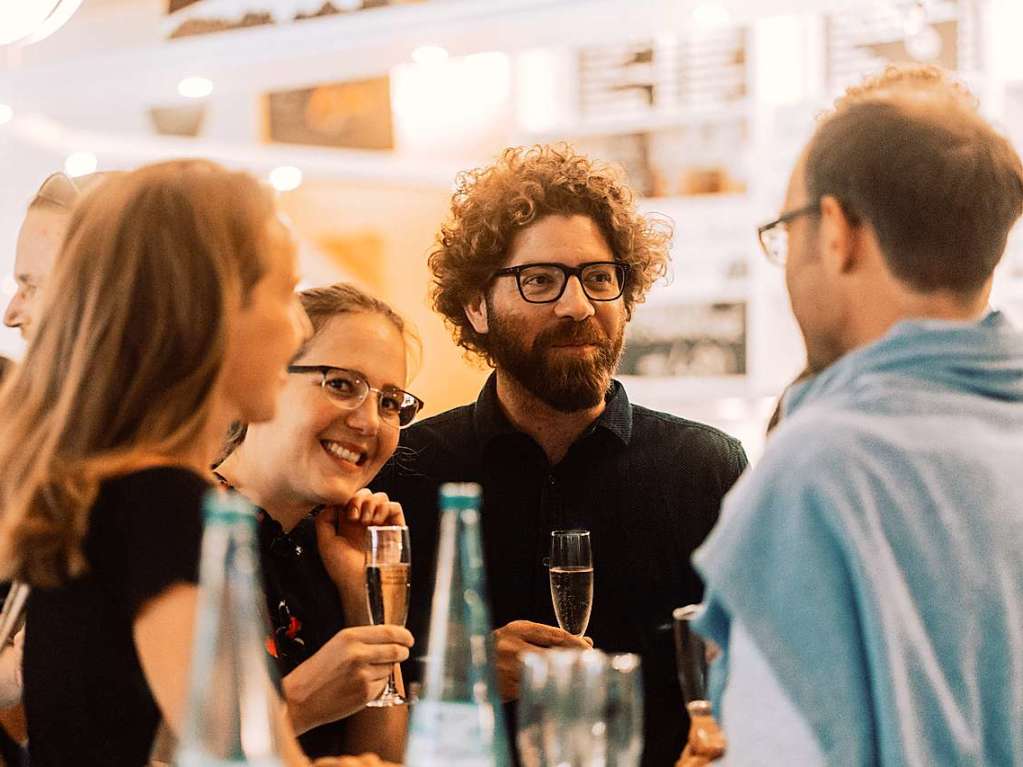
(286, 178)
(195, 87)
(29, 21)
(80, 164)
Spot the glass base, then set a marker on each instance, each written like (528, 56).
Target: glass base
(386, 700)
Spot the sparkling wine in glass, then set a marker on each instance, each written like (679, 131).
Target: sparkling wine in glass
(571, 571)
(388, 561)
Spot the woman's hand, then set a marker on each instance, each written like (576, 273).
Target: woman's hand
(341, 533)
(344, 675)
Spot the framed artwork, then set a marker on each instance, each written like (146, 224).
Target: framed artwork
(345, 115)
(671, 340)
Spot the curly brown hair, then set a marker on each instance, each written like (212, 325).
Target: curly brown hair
(492, 204)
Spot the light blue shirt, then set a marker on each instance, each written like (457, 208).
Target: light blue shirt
(874, 558)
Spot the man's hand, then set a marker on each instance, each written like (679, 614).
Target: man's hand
(523, 636)
(345, 674)
(363, 760)
(706, 743)
(341, 535)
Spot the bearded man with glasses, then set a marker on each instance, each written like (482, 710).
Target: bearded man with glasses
(537, 272)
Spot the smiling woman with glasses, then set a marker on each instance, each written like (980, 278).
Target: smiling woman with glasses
(338, 420)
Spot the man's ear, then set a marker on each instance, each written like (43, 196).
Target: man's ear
(839, 236)
(476, 313)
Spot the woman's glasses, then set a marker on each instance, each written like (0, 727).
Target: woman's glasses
(349, 390)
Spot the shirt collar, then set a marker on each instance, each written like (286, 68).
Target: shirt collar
(491, 422)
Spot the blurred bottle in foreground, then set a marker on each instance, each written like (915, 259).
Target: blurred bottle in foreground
(235, 715)
(459, 721)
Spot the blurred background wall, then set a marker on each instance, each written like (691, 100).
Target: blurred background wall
(362, 112)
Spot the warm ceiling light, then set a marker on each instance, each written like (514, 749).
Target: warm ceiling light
(80, 164)
(195, 87)
(6, 114)
(60, 16)
(28, 21)
(429, 54)
(286, 178)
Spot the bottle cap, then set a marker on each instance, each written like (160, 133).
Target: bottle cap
(460, 495)
(226, 507)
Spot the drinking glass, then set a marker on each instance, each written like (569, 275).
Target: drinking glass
(571, 573)
(624, 710)
(388, 560)
(690, 655)
(562, 709)
(529, 713)
(705, 738)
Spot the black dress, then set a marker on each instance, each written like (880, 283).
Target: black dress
(86, 697)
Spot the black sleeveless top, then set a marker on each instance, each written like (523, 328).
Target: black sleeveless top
(86, 698)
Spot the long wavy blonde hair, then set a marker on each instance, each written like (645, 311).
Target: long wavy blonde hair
(128, 350)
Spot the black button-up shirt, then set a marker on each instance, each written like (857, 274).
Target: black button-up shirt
(647, 485)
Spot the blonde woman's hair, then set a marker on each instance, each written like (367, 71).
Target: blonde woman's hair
(128, 350)
(323, 304)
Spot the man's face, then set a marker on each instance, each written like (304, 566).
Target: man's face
(817, 302)
(564, 352)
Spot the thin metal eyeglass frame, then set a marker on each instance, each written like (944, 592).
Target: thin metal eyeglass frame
(783, 220)
(569, 272)
(324, 369)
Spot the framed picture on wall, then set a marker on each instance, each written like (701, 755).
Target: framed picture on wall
(672, 340)
(345, 115)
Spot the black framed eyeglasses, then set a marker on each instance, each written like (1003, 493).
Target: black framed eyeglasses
(545, 283)
(349, 389)
(774, 236)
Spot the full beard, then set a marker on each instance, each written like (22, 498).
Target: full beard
(564, 382)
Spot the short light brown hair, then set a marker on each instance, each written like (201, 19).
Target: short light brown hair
(494, 203)
(938, 184)
(905, 79)
(329, 301)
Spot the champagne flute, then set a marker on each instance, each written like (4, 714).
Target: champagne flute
(571, 573)
(690, 655)
(388, 560)
(705, 741)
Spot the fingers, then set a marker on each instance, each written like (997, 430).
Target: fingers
(384, 634)
(383, 655)
(369, 508)
(541, 635)
(327, 520)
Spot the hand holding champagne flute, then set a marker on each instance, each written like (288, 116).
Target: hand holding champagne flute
(571, 573)
(388, 561)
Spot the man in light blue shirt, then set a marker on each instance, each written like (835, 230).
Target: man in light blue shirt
(865, 581)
